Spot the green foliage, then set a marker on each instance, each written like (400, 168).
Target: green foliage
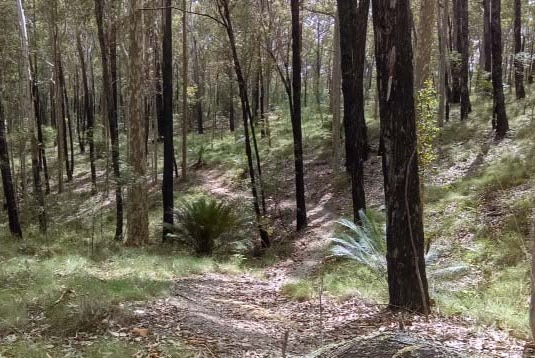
(204, 223)
(426, 126)
(365, 244)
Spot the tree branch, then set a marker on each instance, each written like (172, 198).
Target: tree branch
(187, 12)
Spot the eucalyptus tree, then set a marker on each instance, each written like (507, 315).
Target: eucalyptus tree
(501, 123)
(519, 66)
(110, 100)
(353, 31)
(407, 282)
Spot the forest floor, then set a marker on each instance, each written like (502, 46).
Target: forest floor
(160, 302)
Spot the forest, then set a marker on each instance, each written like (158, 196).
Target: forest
(267, 178)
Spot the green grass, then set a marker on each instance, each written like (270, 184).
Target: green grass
(75, 291)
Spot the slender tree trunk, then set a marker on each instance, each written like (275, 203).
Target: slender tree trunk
(111, 117)
(301, 214)
(43, 164)
(199, 92)
(223, 8)
(443, 68)
(168, 145)
(462, 45)
(487, 38)
(88, 115)
(137, 214)
(502, 124)
(407, 282)
(184, 93)
(519, 66)
(7, 181)
(29, 110)
(353, 25)
(66, 110)
(336, 91)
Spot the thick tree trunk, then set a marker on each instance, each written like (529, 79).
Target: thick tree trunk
(137, 214)
(301, 214)
(407, 282)
(111, 117)
(502, 124)
(168, 145)
(7, 181)
(425, 43)
(353, 26)
(519, 66)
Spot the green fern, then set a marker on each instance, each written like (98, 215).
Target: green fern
(203, 223)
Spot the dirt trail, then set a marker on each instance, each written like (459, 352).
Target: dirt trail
(245, 315)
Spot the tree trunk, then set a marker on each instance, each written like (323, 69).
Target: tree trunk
(462, 48)
(301, 214)
(407, 282)
(88, 114)
(487, 38)
(442, 23)
(425, 43)
(168, 145)
(137, 214)
(502, 124)
(519, 66)
(7, 181)
(29, 108)
(336, 91)
(184, 93)
(223, 8)
(353, 26)
(111, 117)
(199, 85)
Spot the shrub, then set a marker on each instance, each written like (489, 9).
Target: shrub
(204, 223)
(366, 244)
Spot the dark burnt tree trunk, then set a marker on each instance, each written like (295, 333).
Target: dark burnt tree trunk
(112, 119)
(67, 111)
(88, 113)
(43, 164)
(353, 26)
(407, 282)
(301, 214)
(519, 66)
(168, 145)
(501, 123)
(462, 42)
(7, 181)
(224, 12)
(199, 93)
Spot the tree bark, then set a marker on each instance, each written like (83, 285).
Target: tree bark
(519, 66)
(301, 214)
(407, 282)
(88, 115)
(462, 48)
(184, 93)
(425, 42)
(224, 12)
(502, 124)
(336, 92)
(7, 181)
(137, 214)
(111, 117)
(353, 25)
(168, 145)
